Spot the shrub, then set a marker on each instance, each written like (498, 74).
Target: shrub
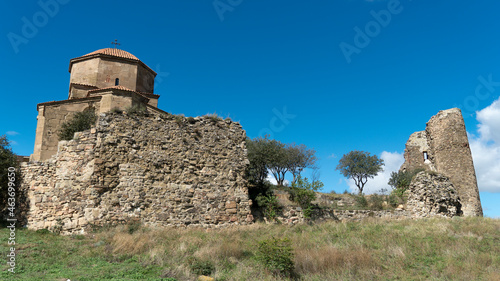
(400, 181)
(213, 117)
(136, 109)
(276, 255)
(395, 200)
(269, 205)
(303, 193)
(191, 120)
(376, 202)
(81, 121)
(179, 119)
(361, 201)
(201, 267)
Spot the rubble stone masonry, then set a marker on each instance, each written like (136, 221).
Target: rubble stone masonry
(159, 170)
(444, 148)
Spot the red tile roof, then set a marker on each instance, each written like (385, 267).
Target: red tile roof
(119, 87)
(113, 52)
(110, 52)
(83, 84)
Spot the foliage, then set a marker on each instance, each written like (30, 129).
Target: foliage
(136, 109)
(201, 267)
(191, 120)
(376, 202)
(81, 121)
(299, 158)
(400, 181)
(258, 157)
(395, 199)
(179, 119)
(7, 160)
(276, 255)
(266, 155)
(303, 192)
(360, 166)
(361, 201)
(277, 160)
(214, 118)
(269, 205)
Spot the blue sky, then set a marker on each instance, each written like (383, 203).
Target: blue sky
(335, 76)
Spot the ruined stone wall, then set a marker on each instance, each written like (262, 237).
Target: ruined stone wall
(447, 147)
(160, 170)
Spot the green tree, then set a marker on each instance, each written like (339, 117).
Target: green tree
(299, 158)
(266, 155)
(278, 161)
(81, 121)
(259, 157)
(360, 166)
(7, 160)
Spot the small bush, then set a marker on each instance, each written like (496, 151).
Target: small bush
(269, 205)
(303, 193)
(179, 119)
(191, 120)
(137, 109)
(200, 267)
(81, 121)
(276, 255)
(213, 117)
(361, 201)
(401, 179)
(376, 202)
(395, 200)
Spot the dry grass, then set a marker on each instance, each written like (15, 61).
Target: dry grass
(437, 249)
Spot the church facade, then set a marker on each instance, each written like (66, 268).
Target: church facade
(101, 80)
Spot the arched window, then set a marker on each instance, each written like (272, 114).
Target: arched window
(117, 81)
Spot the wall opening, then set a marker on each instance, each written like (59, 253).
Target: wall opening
(426, 156)
(117, 81)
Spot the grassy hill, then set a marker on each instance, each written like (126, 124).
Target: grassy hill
(433, 249)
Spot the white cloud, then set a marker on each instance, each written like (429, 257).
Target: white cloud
(392, 161)
(12, 133)
(271, 178)
(489, 122)
(486, 148)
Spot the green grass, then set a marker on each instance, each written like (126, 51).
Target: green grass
(434, 249)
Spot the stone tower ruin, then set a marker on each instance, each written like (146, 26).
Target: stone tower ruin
(444, 148)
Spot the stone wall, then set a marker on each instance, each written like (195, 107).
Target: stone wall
(446, 146)
(432, 194)
(159, 170)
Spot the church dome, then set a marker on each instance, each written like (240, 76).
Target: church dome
(113, 52)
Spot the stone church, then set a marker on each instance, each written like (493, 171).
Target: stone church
(149, 166)
(101, 80)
